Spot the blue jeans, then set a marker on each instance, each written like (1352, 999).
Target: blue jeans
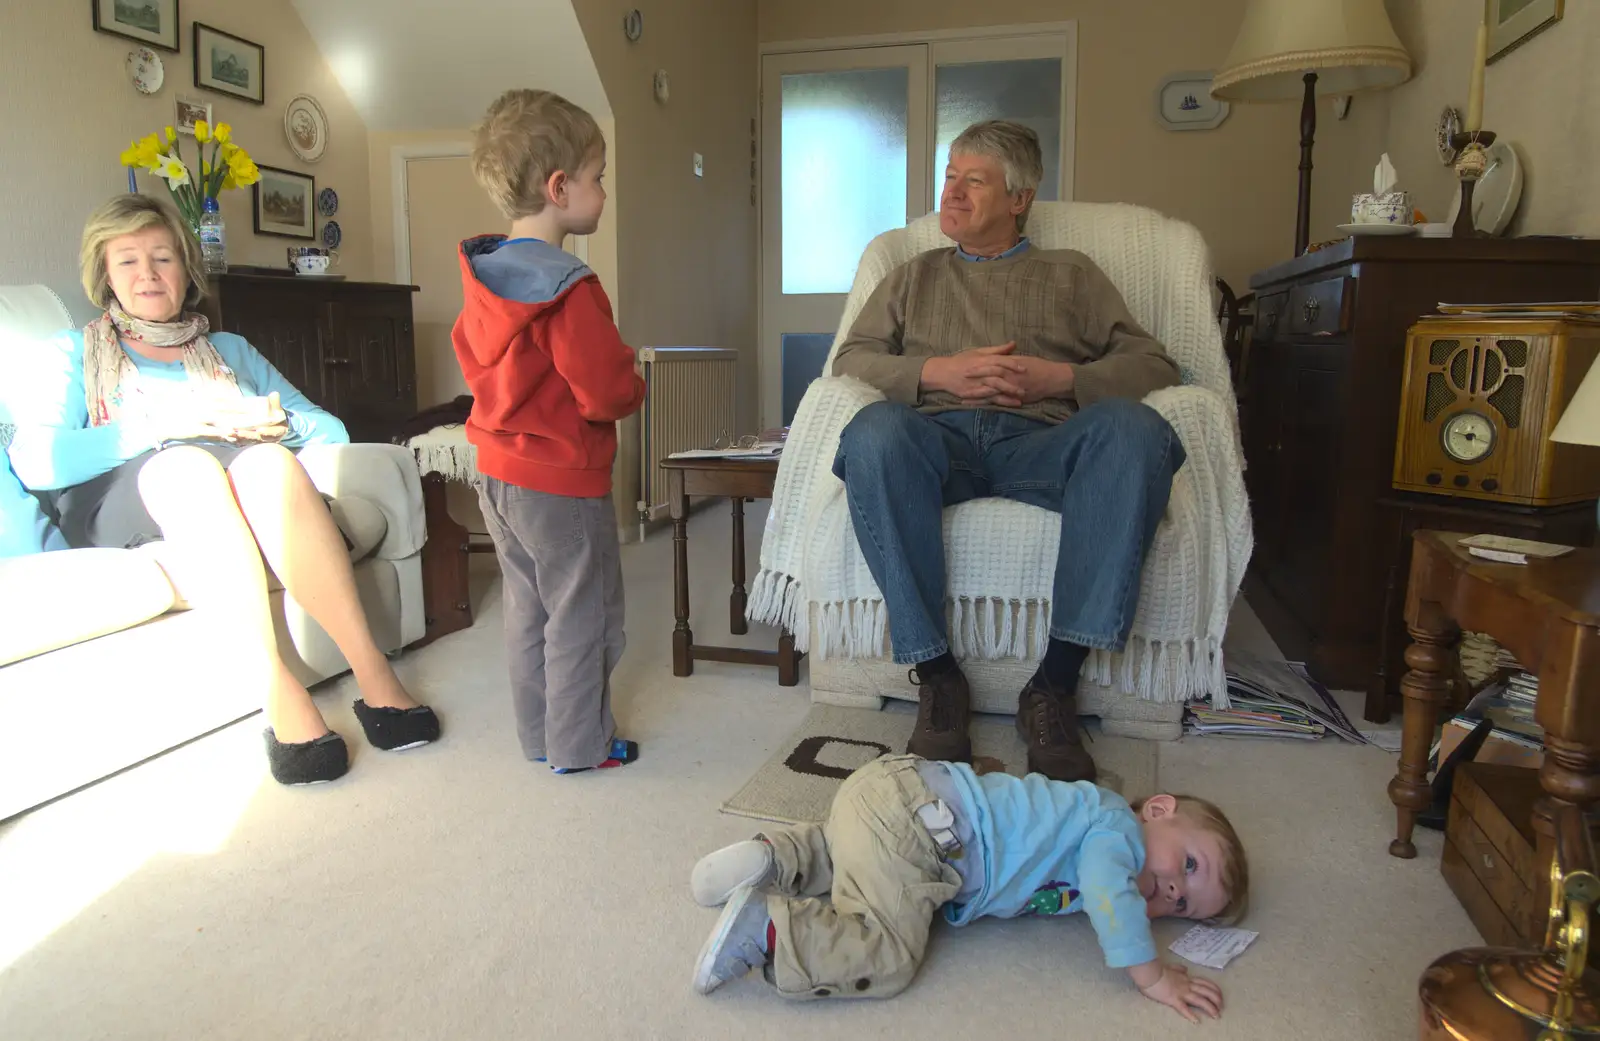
(1107, 471)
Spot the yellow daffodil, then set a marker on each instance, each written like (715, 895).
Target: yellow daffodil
(146, 152)
(172, 135)
(205, 168)
(222, 132)
(229, 149)
(228, 183)
(202, 131)
(172, 170)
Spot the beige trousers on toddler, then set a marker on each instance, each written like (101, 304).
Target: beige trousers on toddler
(855, 897)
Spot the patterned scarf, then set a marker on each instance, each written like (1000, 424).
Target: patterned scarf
(111, 379)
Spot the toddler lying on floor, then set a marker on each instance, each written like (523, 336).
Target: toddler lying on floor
(843, 909)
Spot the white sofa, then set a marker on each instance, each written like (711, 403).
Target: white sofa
(101, 663)
(1000, 555)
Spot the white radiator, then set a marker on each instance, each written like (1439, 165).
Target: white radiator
(689, 403)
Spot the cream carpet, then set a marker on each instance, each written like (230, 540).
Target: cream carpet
(800, 780)
(457, 892)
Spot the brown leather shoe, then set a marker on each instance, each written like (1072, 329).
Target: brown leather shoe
(1047, 722)
(944, 703)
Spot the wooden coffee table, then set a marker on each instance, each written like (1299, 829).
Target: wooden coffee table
(735, 480)
(1547, 613)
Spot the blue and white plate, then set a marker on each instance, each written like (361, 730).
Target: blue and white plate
(327, 202)
(331, 235)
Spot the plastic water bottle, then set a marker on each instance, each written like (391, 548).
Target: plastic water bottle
(213, 239)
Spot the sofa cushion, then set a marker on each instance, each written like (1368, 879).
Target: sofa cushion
(55, 600)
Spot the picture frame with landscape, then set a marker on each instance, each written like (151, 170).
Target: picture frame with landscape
(1515, 22)
(285, 204)
(189, 111)
(152, 22)
(229, 64)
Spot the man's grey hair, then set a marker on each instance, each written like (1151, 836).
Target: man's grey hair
(1012, 145)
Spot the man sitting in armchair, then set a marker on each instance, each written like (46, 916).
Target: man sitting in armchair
(1014, 372)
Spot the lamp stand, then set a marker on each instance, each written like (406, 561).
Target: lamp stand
(1472, 160)
(1308, 131)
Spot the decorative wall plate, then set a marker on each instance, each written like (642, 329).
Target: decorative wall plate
(306, 127)
(1184, 102)
(146, 70)
(331, 235)
(1449, 125)
(327, 202)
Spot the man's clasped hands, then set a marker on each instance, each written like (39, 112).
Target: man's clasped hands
(997, 376)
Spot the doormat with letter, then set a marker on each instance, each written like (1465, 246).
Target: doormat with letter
(798, 783)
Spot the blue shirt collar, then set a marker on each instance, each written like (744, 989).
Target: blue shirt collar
(1021, 245)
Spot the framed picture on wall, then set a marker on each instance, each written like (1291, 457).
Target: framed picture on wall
(229, 65)
(153, 22)
(1518, 21)
(286, 204)
(189, 111)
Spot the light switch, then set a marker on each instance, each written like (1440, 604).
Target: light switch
(699, 165)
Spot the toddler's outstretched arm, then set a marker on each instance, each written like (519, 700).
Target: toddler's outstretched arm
(1174, 987)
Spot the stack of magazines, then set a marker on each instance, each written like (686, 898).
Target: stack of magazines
(1270, 699)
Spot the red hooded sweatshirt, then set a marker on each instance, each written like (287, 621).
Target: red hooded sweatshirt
(548, 372)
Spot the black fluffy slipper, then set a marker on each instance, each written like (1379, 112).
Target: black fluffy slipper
(309, 762)
(393, 729)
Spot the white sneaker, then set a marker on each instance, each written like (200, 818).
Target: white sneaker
(738, 943)
(718, 874)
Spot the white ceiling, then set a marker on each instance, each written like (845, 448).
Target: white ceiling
(426, 65)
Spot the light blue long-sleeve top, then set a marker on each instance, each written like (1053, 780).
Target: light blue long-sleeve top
(1055, 847)
(55, 447)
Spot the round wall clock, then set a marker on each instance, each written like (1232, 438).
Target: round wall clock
(1449, 126)
(145, 70)
(306, 127)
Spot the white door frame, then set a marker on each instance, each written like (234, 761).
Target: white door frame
(399, 186)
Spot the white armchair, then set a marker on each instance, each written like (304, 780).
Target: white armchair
(1001, 554)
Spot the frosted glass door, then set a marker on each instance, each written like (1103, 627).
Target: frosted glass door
(1019, 78)
(845, 136)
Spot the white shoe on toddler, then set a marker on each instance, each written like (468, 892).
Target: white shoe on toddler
(747, 863)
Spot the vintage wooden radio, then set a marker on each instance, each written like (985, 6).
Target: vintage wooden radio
(1480, 398)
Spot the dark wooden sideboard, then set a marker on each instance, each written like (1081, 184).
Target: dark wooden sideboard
(347, 345)
(1320, 414)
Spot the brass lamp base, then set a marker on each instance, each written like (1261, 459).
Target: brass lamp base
(1503, 993)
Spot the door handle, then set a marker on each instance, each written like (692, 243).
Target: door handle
(1311, 307)
(332, 362)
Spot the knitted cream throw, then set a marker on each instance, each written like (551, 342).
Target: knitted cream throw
(1000, 554)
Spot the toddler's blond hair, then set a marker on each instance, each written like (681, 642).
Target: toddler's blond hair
(524, 138)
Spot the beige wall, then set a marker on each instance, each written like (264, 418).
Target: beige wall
(685, 247)
(1237, 183)
(70, 111)
(1540, 97)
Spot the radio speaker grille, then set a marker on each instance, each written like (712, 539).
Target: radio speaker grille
(1508, 399)
(1439, 398)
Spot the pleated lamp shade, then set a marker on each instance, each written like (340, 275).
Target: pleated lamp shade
(1349, 44)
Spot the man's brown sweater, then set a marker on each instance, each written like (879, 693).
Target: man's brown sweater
(1055, 304)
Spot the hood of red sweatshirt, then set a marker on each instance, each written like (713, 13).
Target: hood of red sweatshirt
(505, 284)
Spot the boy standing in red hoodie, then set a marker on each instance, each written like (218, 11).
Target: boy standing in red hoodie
(550, 376)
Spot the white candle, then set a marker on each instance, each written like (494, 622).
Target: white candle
(1474, 121)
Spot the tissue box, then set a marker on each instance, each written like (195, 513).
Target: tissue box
(1388, 208)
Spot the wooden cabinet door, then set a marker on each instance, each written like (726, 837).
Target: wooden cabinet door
(369, 364)
(1310, 406)
(286, 333)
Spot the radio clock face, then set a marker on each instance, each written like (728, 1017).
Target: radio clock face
(1467, 436)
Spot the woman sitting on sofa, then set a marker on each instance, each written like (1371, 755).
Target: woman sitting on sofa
(143, 427)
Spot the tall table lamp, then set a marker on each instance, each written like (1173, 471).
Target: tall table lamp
(1580, 423)
(1289, 49)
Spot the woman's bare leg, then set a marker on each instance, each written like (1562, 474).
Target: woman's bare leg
(298, 537)
(188, 494)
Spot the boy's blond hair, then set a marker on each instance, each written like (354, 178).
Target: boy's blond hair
(1234, 872)
(526, 136)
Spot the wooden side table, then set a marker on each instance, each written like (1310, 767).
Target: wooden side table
(736, 480)
(1547, 613)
